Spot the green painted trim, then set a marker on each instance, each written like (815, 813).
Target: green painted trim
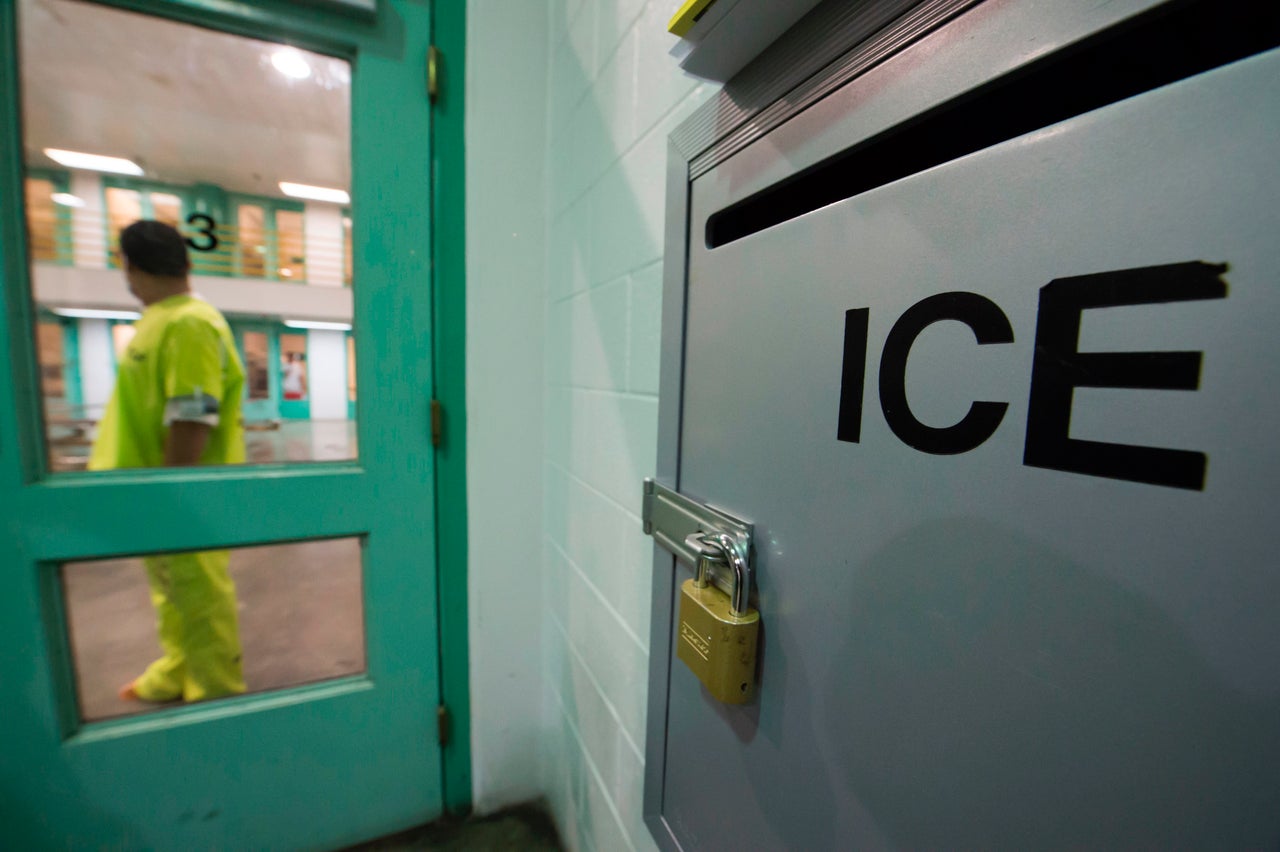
(271, 201)
(321, 29)
(449, 30)
(183, 191)
(22, 439)
(189, 714)
(57, 635)
(71, 381)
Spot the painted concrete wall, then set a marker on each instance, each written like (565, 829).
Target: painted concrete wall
(612, 95)
(322, 228)
(505, 121)
(88, 236)
(97, 375)
(327, 374)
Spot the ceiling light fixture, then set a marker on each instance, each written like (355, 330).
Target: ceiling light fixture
(316, 324)
(66, 199)
(94, 313)
(315, 193)
(93, 162)
(291, 63)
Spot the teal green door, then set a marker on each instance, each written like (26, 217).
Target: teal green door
(314, 766)
(260, 351)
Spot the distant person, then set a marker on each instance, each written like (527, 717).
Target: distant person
(295, 377)
(177, 403)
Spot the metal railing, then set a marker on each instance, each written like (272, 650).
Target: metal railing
(88, 240)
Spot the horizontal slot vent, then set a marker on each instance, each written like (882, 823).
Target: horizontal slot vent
(1162, 46)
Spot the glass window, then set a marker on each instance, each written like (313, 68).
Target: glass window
(284, 615)
(47, 239)
(256, 360)
(250, 221)
(291, 257)
(212, 166)
(124, 207)
(166, 208)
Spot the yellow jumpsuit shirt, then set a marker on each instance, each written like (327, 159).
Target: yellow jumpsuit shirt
(181, 365)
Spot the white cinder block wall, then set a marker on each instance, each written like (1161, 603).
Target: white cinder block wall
(614, 95)
(506, 280)
(609, 94)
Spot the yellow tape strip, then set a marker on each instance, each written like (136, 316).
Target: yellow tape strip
(689, 13)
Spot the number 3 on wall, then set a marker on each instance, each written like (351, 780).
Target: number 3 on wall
(205, 230)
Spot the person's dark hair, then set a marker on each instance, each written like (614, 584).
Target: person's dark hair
(156, 248)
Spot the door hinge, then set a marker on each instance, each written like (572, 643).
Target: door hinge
(433, 73)
(437, 422)
(442, 725)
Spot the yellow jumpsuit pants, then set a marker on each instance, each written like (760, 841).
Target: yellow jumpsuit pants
(195, 602)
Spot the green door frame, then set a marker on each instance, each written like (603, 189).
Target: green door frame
(448, 244)
(328, 29)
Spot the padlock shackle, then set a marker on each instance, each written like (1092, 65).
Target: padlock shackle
(732, 555)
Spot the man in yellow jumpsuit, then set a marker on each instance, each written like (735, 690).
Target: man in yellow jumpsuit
(176, 403)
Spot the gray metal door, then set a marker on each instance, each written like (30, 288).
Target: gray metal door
(1006, 429)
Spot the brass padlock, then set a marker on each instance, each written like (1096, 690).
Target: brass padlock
(718, 632)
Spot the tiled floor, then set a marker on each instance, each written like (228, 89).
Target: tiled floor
(265, 442)
(526, 828)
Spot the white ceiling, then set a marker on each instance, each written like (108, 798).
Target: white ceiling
(187, 104)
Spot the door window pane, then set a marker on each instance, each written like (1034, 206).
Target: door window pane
(291, 613)
(256, 362)
(208, 160)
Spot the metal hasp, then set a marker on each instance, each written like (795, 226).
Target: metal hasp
(671, 518)
(718, 631)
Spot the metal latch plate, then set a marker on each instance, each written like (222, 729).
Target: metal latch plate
(670, 517)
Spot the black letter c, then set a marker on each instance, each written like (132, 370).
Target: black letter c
(989, 325)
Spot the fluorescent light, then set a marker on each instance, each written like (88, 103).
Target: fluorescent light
(93, 162)
(94, 313)
(286, 272)
(325, 326)
(66, 199)
(315, 193)
(291, 63)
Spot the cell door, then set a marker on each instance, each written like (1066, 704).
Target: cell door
(290, 600)
(259, 350)
(982, 346)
